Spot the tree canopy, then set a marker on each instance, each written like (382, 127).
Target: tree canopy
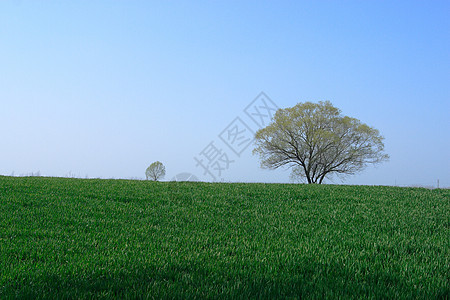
(317, 141)
(155, 171)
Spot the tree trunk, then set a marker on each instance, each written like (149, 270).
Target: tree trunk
(307, 175)
(321, 179)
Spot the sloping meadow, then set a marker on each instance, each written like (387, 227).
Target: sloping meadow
(84, 238)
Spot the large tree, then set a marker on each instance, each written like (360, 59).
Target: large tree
(317, 141)
(155, 171)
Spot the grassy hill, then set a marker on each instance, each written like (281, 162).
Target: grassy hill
(84, 238)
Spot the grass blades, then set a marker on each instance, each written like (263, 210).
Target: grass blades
(86, 238)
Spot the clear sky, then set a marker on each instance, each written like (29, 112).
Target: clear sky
(104, 88)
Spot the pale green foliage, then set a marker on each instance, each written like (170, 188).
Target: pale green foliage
(155, 171)
(317, 141)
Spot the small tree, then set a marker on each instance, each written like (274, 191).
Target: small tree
(317, 141)
(155, 171)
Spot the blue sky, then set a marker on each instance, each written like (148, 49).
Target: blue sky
(104, 88)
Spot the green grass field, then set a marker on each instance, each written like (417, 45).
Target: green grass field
(86, 238)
